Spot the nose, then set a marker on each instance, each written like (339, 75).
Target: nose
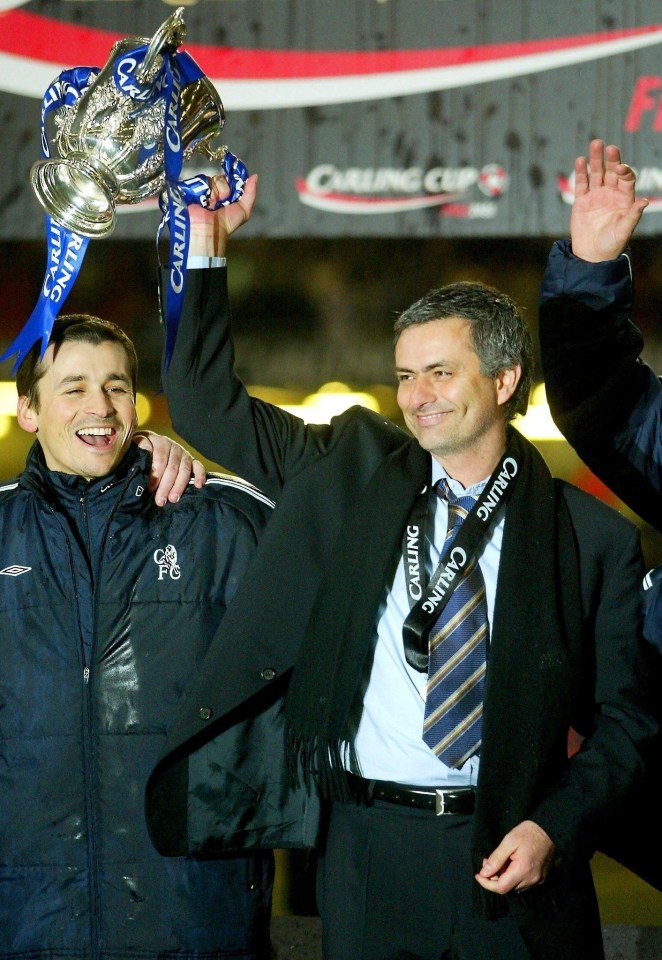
(99, 404)
(421, 392)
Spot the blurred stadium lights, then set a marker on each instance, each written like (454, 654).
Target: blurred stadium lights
(537, 423)
(334, 398)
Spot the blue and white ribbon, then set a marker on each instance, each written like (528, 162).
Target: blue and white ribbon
(65, 249)
(178, 71)
(174, 207)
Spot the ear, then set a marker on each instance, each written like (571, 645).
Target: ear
(27, 418)
(506, 383)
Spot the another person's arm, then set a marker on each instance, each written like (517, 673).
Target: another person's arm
(605, 400)
(172, 467)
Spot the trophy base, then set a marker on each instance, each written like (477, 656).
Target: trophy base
(77, 192)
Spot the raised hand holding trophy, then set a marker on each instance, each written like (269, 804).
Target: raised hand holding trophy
(121, 135)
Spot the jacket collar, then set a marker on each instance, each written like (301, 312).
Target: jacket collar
(65, 488)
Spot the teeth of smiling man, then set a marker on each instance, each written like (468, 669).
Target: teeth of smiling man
(95, 432)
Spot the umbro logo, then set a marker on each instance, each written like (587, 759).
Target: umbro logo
(15, 570)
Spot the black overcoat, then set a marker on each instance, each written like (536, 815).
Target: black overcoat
(318, 476)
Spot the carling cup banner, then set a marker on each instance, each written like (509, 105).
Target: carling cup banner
(374, 117)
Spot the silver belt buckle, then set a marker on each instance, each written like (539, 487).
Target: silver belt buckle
(440, 802)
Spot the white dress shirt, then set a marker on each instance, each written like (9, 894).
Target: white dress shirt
(388, 742)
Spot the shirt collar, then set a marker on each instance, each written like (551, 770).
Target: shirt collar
(438, 473)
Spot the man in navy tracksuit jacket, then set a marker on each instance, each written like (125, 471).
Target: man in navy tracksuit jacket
(607, 401)
(107, 606)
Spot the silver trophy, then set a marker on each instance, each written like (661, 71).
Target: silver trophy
(111, 146)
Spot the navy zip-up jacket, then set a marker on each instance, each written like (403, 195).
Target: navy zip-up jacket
(605, 400)
(107, 607)
(608, 404)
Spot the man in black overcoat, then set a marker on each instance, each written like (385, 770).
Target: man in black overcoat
(486, 854)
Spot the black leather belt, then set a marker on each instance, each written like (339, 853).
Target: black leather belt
(459, 800)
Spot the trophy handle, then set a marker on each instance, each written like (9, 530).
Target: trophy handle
(216, 155)
(170, 34)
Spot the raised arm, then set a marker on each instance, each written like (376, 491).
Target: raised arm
(208, 403)
(606, 402)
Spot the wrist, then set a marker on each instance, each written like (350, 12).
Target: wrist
(207, 242)
(591, 256)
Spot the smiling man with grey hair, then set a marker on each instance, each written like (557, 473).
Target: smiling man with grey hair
(431, 712)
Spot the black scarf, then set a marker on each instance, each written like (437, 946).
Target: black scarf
(533, 665)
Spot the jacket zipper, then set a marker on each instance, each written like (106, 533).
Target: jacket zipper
(88, 765)
(87, 677)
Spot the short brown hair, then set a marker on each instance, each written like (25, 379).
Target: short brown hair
(80, 327)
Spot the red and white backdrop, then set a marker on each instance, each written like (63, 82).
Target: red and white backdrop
(374, 117)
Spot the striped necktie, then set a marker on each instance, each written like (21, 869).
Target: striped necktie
(458, 651)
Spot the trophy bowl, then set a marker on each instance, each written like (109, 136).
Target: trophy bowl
(110, 146)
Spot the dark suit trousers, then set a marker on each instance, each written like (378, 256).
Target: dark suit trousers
(397, 884)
